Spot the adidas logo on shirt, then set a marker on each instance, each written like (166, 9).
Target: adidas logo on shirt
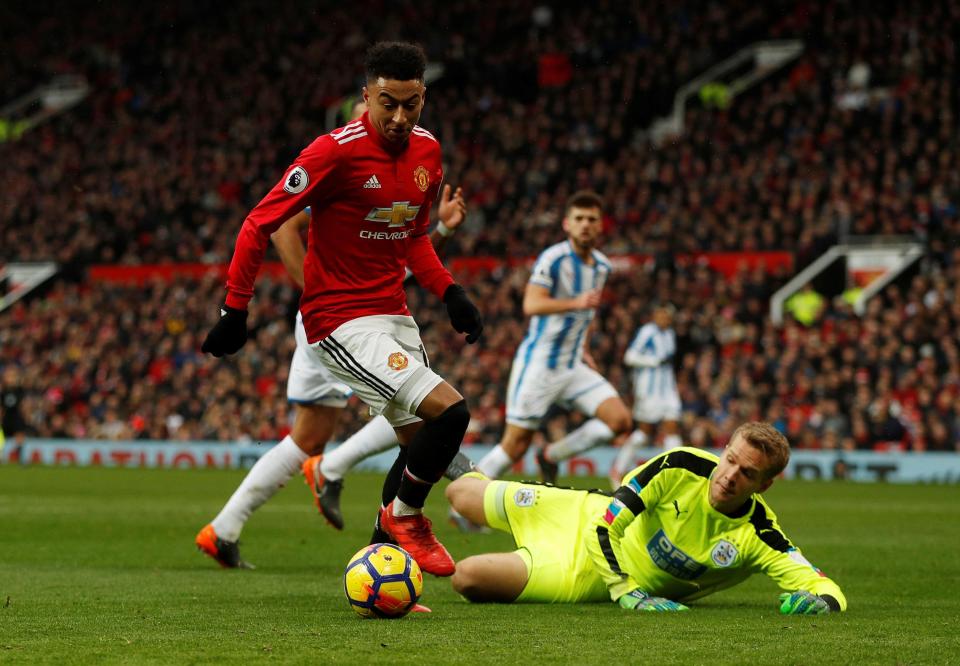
(372, 183)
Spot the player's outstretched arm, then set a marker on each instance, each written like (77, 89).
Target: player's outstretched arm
(807, 590)
(639, 600)
(289, 196)
(802, 602)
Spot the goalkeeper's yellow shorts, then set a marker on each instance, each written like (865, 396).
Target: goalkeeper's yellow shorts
(547, 525)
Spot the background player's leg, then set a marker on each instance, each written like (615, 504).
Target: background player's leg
(610, 419)
(627, 458)
(312, 427)
(324, 474)
(671, 435)
(516, 440)
(491, 577)
(373, 438)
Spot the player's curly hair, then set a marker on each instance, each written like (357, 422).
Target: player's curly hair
(770, 441)
(400, 61)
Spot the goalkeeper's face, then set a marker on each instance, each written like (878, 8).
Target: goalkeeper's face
(741, 472)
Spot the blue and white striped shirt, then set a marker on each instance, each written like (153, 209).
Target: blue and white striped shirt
(556, 340)
(651, 357)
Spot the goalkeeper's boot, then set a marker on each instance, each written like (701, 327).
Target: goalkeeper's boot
(226, 553)
(415, 535)
(549, 470)
(326, 493)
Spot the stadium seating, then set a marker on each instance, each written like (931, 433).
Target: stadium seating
(195, 114)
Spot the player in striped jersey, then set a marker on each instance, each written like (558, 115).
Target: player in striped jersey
(683, 526)
(655, 396)
(551, 365)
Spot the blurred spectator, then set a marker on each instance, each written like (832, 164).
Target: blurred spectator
(195, 111)
(806, 306)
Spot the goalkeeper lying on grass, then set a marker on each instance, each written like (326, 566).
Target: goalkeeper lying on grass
(682, 526)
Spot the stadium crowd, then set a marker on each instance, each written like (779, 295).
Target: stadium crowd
(888, 379)
(194, 113)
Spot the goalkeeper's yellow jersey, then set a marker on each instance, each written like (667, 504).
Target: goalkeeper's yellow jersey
(659, 533)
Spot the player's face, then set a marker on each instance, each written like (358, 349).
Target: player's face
(394, 106)
(740, 473)
(662, 318)
(583, 226)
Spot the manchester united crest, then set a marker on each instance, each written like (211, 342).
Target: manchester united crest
(422, 178)
(397, 361)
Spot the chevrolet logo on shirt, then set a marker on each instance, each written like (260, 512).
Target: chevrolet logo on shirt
(397, 215)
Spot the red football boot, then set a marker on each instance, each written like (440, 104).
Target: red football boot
(415, 535)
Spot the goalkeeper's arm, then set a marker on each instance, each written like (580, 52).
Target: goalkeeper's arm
(807, 590)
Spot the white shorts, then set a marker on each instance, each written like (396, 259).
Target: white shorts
(534, 388)
(383, 360)
(309, 381)
(654, 409)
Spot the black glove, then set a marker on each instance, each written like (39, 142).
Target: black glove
(464, 315)
(228, 335)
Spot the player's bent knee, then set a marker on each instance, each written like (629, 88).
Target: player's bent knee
(465, 490)
(623, 423)
(454, 492)
(619, 420)
(457, 415)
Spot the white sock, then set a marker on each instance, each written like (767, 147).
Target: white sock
(495, 463)
(672, 442)
(378, 435)
(264, 479)
(627, 457)
(401, 508)
(592, 433)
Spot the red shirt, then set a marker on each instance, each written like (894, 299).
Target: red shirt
(370, 205)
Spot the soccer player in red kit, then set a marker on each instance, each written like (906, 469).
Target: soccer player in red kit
(370, 185)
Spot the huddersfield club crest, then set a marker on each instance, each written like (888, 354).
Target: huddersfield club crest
(724, 553)
(422, 178)
(397, 361)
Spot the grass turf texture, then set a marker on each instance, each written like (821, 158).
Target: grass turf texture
(98, 566)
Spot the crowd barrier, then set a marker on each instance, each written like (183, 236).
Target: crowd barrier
(894, 467)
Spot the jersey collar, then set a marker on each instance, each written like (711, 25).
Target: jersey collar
(374, 134)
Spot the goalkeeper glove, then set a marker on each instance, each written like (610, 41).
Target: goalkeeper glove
(228, 335)
(464, 315)
(802, 602)
(639, 600)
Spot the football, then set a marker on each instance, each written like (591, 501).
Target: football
(382, 581)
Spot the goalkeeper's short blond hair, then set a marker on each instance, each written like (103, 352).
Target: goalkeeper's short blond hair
(774, 445)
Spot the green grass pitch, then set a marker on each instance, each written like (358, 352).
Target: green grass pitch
(97, 566)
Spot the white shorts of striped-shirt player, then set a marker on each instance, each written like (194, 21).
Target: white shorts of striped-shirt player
(382, 359)
(534, 388)
(309, 381)
(654, 409)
